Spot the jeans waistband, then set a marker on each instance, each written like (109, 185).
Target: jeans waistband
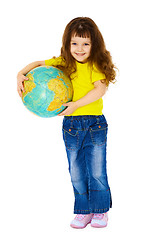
(82, 117)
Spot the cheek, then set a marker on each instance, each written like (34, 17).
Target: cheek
(89, 50)
(72, 49)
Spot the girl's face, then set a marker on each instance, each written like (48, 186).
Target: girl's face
(80, 48)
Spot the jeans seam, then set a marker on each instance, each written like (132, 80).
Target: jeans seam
(92, 191)
(102, 209)
(89, 197)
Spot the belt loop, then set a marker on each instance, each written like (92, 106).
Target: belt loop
(97, 120)
(71, 121)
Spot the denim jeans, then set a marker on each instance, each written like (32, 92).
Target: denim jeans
(85, 140)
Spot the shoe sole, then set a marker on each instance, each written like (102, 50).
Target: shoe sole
(98, 226)
(78, 227)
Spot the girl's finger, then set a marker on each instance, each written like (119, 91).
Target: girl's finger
(65, 104)
(19, 92)
(21, 87)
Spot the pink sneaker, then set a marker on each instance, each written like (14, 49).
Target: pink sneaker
(99, 220)
(81, 220)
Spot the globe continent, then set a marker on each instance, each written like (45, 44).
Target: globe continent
(46, 91)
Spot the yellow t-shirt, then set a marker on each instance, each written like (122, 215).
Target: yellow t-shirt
(82, 81)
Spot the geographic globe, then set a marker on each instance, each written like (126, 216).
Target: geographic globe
(47, 89)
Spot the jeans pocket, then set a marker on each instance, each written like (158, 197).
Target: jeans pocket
(71, 138)
(98, 133)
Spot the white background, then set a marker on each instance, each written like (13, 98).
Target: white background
(36, 197)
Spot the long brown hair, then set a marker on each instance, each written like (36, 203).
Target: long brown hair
(86, 27)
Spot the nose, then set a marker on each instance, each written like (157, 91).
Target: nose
(80, 49)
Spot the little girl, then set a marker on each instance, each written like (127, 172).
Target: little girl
(86, 61)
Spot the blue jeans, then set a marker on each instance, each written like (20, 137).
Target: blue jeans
(85, 139)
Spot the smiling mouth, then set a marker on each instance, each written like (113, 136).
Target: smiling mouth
(80, 54)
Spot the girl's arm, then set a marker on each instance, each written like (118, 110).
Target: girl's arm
(92, 96)
(21, 75)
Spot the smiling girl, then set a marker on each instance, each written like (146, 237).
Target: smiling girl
(89, 65)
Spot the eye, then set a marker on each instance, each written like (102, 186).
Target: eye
(86, 44)
(74, 43)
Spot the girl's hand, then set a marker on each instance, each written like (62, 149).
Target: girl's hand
(71, 107)
(20, 86)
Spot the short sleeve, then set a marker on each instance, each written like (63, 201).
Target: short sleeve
(55, 62)
(97, 75)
